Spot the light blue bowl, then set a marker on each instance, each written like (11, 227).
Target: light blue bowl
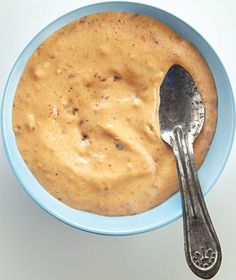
(168, 211)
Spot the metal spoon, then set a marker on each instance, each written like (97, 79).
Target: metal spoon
(181, 117)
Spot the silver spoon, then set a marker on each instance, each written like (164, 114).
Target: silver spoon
(181, 117)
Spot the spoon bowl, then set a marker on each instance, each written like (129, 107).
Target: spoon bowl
(181, 105)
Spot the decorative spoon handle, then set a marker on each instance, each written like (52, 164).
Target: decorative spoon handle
(202, 248)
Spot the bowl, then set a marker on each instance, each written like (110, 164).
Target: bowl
(169, 210)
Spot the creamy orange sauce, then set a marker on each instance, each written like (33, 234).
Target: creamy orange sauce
(86, 112)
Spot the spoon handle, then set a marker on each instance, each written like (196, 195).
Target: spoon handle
(202, 248)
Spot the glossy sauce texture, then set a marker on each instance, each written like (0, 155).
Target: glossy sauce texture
(85, 112)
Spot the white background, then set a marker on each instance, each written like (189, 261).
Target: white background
(35, 246)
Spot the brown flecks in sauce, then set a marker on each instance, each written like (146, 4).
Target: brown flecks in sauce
(117, 76)
(75, 110)
(84, 137)
(150, 127)
(142, 38)
(72, 75)
(155, 41)
(81, 122)
(119, 146)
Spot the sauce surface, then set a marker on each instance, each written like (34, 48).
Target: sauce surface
(85, 112)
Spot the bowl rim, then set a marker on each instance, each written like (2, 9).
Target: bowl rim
(53, 212)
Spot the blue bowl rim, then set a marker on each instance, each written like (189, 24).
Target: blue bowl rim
(90, 229)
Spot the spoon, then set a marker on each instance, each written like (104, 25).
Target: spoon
(181, 117)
